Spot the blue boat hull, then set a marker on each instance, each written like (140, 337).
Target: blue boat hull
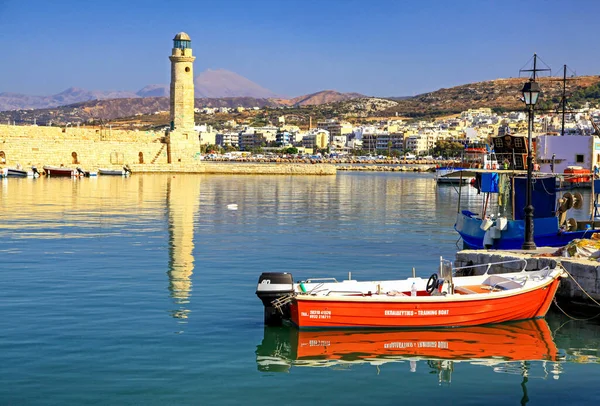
(546, 233)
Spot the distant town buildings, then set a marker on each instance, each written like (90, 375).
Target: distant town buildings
(389, 137)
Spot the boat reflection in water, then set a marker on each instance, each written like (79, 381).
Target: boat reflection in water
(496, 345)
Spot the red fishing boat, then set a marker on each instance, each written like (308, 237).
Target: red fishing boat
(60, 171)
(443, 300)
(525, 340)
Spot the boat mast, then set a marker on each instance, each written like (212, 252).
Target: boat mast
(564, 99)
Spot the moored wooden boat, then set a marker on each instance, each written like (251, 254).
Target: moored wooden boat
(16, 173)
(60, 171)
(451, 176)
(449, 301)
(84, 173)
(524, 340)
(551, 225)
(114, 172)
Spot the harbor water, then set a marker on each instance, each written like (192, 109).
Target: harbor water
(141, 290)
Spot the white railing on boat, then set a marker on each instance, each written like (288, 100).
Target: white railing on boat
(489, 265)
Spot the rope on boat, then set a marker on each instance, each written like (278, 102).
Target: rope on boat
(582, 289)
(457, 241)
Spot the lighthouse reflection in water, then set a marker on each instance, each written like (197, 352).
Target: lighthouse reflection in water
(507, 348)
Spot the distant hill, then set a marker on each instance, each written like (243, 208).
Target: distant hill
(223, 83)
(499, 94)
(100, 110)
(323, 97)
(154, 91)
(15, 101)
(217, 83)
(503, 94)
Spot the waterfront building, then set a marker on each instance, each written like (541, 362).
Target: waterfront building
(316, 138)
(206, 134)
(335, 128)
(284, 138)
(555, 153)
(390, 142)
(255, 137)
(417, 143)
(227, 139)
(338, 142)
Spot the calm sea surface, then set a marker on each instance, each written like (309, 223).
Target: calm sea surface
(140, 290)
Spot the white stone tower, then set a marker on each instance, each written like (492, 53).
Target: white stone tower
(182, 83)
(183, 143)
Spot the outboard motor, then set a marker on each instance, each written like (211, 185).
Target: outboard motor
(80, 172)
(271, 286)
(35, 172)
(127, 170)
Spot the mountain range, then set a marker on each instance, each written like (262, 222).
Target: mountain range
(209, 84)
(498, 94)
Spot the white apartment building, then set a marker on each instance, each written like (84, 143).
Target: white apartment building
(227, 139)
(361, 131)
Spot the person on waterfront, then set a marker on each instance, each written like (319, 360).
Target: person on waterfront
(506, 164)
(596, 172)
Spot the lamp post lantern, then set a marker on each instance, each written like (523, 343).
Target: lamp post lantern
(531, 92)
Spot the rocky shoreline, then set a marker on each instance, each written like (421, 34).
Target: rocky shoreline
(387, 168)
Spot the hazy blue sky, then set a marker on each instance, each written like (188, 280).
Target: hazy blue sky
(376, 47)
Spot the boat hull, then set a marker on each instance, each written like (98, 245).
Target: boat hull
(16, 173)
(111, 172)
(373, 312)
(451, 176)
(546, 233)
(60, 172)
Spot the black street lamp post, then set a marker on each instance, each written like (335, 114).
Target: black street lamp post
(531, 91)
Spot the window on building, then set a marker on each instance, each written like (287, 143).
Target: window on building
(579, 158)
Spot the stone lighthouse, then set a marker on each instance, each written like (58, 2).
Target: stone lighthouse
(183, 142)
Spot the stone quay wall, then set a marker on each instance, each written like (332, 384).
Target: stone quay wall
(88, 148)
(585, 272)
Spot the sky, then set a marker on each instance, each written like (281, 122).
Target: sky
(291, 47)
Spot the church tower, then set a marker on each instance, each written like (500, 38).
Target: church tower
(183, 143)
(182, 83)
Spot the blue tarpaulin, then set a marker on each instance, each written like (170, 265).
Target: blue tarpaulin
(489, 182)
(543, 197)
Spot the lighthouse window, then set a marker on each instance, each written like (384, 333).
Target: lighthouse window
(181, 44)
(187, 68)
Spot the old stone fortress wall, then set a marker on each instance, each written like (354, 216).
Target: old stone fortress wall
(88, 148)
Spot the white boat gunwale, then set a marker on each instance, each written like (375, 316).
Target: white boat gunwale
(546, 277)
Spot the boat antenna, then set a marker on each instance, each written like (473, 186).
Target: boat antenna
(535, 70)
(563, 99)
